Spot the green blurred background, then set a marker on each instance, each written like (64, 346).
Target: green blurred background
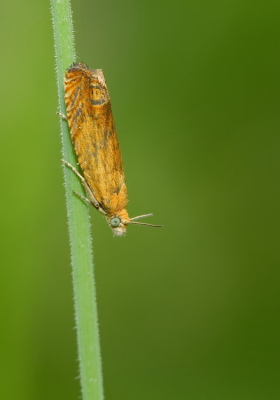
(190, 311)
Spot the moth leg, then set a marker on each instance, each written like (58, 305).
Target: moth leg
(75, 171)
(83, 198)
(62, 115)
(92, 200)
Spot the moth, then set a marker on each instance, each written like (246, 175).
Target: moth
(96, 145)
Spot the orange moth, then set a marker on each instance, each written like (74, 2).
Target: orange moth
(96, 145)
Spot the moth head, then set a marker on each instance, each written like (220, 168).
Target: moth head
(118, 228)
(118, 225)
(119, 222)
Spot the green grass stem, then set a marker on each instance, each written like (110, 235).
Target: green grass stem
(78, 220)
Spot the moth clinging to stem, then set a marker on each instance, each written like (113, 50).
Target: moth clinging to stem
(96, 145)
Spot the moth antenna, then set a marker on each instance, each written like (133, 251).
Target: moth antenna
(143, 223)
(141, 216)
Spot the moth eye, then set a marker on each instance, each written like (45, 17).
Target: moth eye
(115, 222)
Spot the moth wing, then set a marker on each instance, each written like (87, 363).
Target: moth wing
(94, 136)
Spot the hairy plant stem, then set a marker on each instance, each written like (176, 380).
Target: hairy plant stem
(78, 221)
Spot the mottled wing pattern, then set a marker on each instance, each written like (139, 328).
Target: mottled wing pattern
(94, 136)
